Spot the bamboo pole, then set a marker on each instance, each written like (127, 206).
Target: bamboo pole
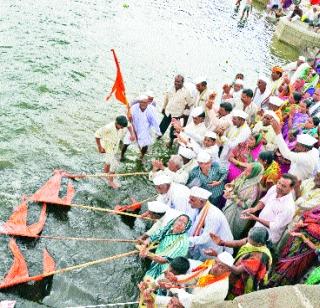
(87, 264)
(100, 209)
(99, 175)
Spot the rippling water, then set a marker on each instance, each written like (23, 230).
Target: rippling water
(56, 68)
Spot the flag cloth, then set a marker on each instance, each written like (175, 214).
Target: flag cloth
(118, 88)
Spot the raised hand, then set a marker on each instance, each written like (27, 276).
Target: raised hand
(216, 239)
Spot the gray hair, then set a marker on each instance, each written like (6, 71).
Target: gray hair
(177, 160)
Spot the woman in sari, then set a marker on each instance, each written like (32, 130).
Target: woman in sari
(296, 257)
(243, 153)
(242, 194)
(252, 263)
(173, 242)
(272, 171)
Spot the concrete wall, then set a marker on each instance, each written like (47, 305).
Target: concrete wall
(296, 34)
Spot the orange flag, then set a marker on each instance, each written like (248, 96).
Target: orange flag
(118, 88)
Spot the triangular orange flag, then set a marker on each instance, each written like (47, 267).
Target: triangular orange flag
(118, 88)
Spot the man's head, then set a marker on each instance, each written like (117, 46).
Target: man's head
(262, 83)
(178, 266)
(186, 154)
(150, 96)
(246, 96)
(198, 197)
(275, 103)
(198, 115)
(302, 59)
(285, 184)
(239, 117)
(224, 109)
(209, 139)
(157, 209)
(268, 116)
(175, 163)
(162, 184)
(121, 122)
(143, 102)
(305, 143)
(238, 85)
(201, 84)
(178, 82)
(276, 73)
(239, 76)
(222, 267)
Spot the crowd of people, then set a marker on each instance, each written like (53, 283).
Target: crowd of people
(238, 206)
(305, 11)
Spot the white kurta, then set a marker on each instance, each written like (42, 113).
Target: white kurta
(215, 222)
(303, 164)
(195, 132)
(278, 211)
(177, 198)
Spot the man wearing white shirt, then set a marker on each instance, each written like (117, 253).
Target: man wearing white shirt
(305, 159)
(175, 195)
(188, 156)
(261, 93)
(246, 104)
(277, 208)
(210, 219)
(203, 92)
(237, 133)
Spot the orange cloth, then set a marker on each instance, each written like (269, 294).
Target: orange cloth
(277, 69)
(118, 88)
(202, 219)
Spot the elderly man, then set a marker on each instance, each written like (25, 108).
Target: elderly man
(209, 220)
(261, 93)
(277, 208)
(163, 215)
(176, 105)
(305, 159)
(274, 104)
(203, 92)
(265, 127)
(188, 156)
(143, 118)
(237, 90)
(175, 195)
(195, 129)
(276, 79)
(237, 133)
(203, 293)
(174, 170)
(245, 104)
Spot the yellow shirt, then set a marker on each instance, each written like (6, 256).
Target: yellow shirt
(175, 102)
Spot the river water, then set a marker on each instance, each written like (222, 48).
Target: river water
(56, 68)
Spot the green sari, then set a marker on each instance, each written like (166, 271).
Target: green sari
(171, 245)
(246, 189)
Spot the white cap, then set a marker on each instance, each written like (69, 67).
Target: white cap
(239, 82)
(272, 114)
(200, 79)
(142, 97)
(157, 207)
(149, 93)
(162, 179)
(200, 193)
(186, 152)
(226, 258)
(196, 111)
(306, 139)
(276, 101)
(211, 135)
(264, 78)
(301, 58)
(203, 157)
(239, 113)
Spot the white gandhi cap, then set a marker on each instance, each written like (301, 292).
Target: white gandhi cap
(272, 114)
(200, 193)
(162, 179)
(197, 111)
(186, 152)
(142, 97)
(211, 135)
(239, 82)
(239, 113)
(226, 258)
(203, 157)
(306, 139)
(276, 101)
(157, 207)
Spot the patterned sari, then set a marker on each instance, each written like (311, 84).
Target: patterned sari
(296, 257)
(246, 192)
(171, 245)
(257, 261)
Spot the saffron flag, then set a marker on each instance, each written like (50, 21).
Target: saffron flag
(118, 88)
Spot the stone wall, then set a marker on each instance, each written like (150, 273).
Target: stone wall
(296, 34)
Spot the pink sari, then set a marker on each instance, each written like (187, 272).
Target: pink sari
(242, 153)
